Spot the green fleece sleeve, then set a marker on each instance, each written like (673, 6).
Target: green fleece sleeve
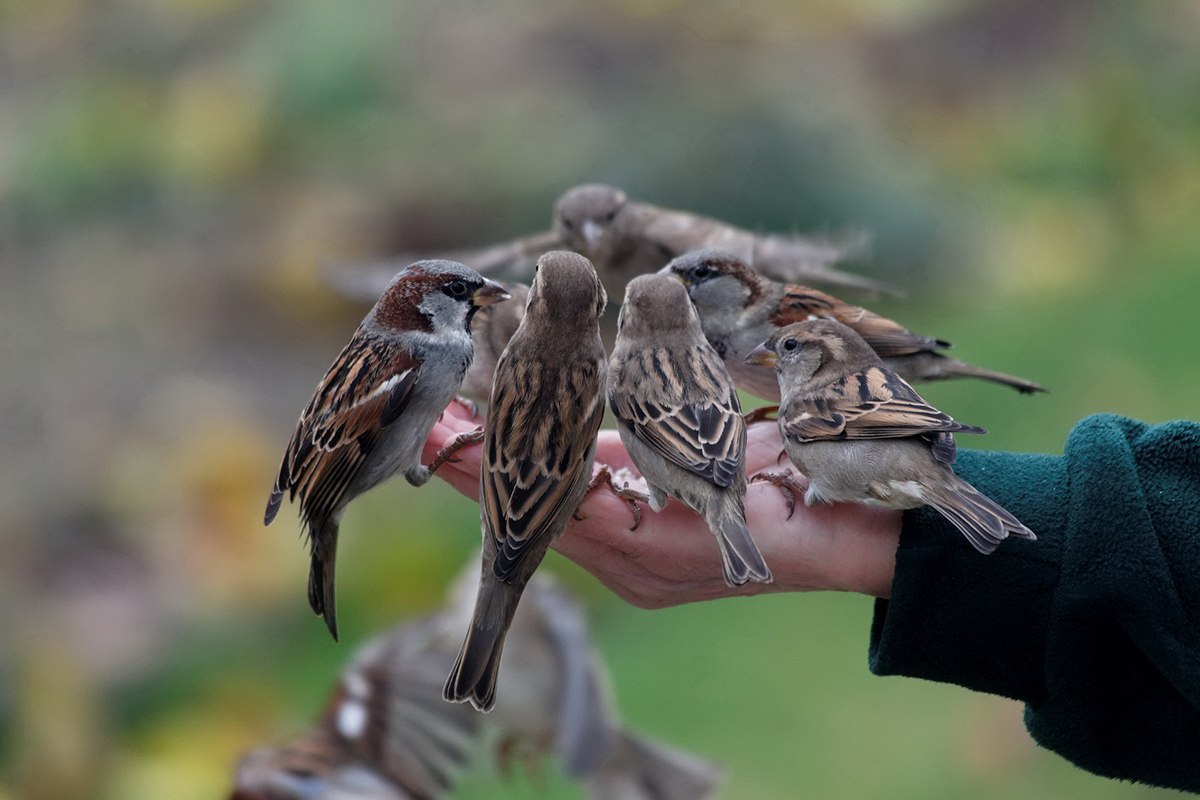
(1096, 625)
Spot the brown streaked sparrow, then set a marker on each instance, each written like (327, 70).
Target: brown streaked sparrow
(739, 309)
(679, 417)
(862, 435)
(386, 734)
(373, 410)
(545, 409)
(624, 239)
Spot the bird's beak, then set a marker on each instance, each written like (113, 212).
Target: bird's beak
(668, 271)
(489, 294)
(591, 233)
(761, 356)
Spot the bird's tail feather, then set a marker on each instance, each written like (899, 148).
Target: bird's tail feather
(321, 594)
(473, 676)
(740, 556)
(982, 520)
(953, 368)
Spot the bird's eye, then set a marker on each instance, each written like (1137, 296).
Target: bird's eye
(790, 344)
(610, 216)
(457, 289)
(703, 271)
(568, 224)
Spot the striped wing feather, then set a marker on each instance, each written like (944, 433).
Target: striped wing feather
(536, 451)
(697, 420)
(365, 391)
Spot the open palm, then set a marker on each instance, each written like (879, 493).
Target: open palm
(672, 558)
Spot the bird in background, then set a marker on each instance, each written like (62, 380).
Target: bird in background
(539, 446)
(491, 330)
(739, 309)
(679, 417)
(372, 412)
(625, 238)
(861, 434)
(386, 734)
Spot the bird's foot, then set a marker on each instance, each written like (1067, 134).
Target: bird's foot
(631, 497)
(786, 484)
(446, 454)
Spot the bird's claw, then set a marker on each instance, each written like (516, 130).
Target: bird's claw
(785, 483)
(631, 497)
(446, 454)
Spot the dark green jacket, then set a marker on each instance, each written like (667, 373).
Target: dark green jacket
(1096, 625)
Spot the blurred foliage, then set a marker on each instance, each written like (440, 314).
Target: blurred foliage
(172, 173)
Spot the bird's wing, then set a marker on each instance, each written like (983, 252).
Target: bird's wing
(586, 723)
(674, 233)
(875, 403)
(705, 435)
(366, 390)
(886, 337)
(541, 435)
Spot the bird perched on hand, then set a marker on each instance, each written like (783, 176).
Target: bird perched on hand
(624, 239)
(386, 734)
(372, 412)
(679, 417)
(862, 435)
(540, 441)
(739, 309)
(491, 329)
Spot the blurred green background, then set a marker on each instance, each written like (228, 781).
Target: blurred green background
(173, 173)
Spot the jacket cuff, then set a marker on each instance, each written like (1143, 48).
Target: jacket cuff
(980, 621)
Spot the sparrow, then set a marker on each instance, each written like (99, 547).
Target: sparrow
(740, 308)
(627, 238)
(543, 415)
(374, 409)
(861, 434)
(386, 734)
(491, 329)
(679, 417)
(624, 239)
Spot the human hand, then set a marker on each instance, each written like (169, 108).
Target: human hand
(672, 558)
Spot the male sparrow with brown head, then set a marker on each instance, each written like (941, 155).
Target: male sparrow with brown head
(374, 409)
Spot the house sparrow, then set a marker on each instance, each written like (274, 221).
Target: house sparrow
(862, 435)
(624, 239)
(540, 440)
(491, 329)
(679, 417)
(739, 309)
(385, 733)
(373, 410)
